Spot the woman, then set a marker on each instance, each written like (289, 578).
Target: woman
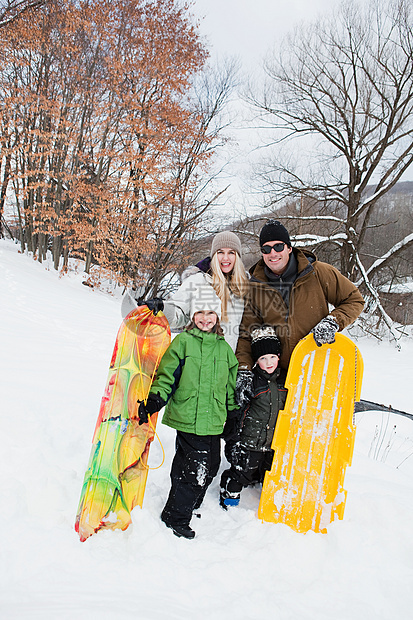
(225, 272)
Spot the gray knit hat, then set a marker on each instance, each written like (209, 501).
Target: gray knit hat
(226, 239)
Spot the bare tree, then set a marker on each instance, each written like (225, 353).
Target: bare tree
(187, 206)
(340, 92)
(10, 10)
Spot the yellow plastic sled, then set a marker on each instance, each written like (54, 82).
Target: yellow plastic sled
(314, 437)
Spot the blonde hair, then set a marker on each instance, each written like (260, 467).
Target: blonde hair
(235, 282)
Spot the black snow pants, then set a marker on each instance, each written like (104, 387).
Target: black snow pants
(247, 467)
(194, 466)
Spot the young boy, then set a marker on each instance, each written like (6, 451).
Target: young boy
(253, 454)
(196, 380)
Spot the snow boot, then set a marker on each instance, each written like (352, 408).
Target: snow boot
(230, 490)
(180, 530)
(227, 499)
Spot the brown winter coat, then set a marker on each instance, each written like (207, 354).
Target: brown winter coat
(317, 285)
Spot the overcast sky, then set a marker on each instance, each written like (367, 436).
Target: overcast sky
(250, 28)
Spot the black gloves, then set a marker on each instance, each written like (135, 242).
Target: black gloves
(153, 404)
(235, 414)
(232, 425)
(155, 304)
(243, 387)
(324, 332)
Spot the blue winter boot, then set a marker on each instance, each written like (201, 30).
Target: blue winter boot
(227, 499)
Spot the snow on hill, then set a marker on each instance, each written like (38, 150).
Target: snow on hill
(56, 342)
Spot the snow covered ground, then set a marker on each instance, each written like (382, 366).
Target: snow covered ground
(56, 341)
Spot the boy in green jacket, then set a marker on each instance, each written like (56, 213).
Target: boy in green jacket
(196, 381)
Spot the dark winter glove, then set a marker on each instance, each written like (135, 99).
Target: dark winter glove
(153, 404)
(325, 331)
(232, 425)
(235, 414)
(243, 387)
(155, 304)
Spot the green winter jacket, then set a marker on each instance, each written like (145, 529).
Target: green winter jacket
(196, 378)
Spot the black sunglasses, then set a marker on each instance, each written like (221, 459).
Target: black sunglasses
(278, 247)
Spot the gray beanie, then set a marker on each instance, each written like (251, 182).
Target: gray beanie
(226, 239)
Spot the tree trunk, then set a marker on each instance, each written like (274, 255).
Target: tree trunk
(89, 253)
(57, 251)
(5, 182)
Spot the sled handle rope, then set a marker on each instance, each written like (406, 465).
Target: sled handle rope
(160, 443)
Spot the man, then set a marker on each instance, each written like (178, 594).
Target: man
(291, 290)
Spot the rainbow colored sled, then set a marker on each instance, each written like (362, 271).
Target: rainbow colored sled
(116, 476)
(314, 437)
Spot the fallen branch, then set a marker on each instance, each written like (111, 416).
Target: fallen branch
(367, 405)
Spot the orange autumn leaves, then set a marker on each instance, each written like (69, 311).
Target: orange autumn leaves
(98, 126)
